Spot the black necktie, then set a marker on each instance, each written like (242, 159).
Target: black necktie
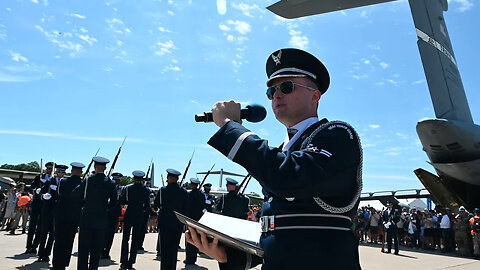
(291, 132)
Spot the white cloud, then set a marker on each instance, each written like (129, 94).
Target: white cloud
(163, 30)
(34, 1)
(17, 57)
(392, 82)
(74, 48)
(366, 61)
(66, 136)
(170, 13)
(245, 8)
(297, 40)
(224, 27)
(364, 14)
(418, 82)
(222, 7)
(88, 39)
(171, 68)
(230, 38)
(165, 47)
(240, 26)
(78, 16)
(464, 4)
(194, 101)
(374, 126)
(384, 65)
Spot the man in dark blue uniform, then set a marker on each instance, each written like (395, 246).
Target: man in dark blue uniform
(195, 209)
(209, 198)
(67, 214)
(33, 237)
(232, 204)
(170, 198)
(137, 199)
(146, 216)
(312, 183)
(390, 218)
(99, 195)
(113, 215)
(49, 198)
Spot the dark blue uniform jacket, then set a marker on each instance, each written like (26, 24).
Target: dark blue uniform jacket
(324, 163)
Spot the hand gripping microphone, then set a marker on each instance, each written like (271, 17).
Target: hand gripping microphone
(251, 113)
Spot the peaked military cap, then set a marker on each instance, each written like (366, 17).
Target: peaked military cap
(173, 172)
(116, 175)
(138, 173)
(100, 160)
(208, 185)
(61, 168)
(77, 165)
(49, 165)
(231, 181)
(291, 62)
(476, 210)
(194, 181)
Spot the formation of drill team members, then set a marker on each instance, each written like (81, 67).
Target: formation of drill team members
(62, 206)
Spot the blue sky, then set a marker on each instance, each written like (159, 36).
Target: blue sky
(76, 76)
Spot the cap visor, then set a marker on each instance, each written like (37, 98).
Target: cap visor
(272, 80)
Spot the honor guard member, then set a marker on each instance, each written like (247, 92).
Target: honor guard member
(209, 198)
(113, 215)
(312, 183)
(33, 236)
(67, 215)
(232, 204)
(170, 198)
(99, 195)
(195, 209)
(137, 199)
(47, 229)
(145, 221)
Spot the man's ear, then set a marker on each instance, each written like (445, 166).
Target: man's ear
(316, 95)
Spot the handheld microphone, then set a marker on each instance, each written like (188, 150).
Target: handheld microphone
(252, 113)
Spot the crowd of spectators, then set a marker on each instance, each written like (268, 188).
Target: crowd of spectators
(435, 230)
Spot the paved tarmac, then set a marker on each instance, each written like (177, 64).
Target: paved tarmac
(13, 246)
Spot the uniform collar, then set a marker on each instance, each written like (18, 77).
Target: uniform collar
(301, 127)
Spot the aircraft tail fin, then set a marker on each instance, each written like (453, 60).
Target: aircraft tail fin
(441, 71)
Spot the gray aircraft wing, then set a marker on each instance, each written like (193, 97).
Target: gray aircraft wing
(291, 9)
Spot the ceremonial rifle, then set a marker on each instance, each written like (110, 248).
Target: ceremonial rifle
(163, 182)
(90, 165)
(186, 169)
(246, 184)
(41, 168)
(148, 171)
(206, 175)
(116, 158)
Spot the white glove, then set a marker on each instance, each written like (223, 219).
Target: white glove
(46, 196)
(38, 190)
(208, 202)
(54, 187)
(387, 225)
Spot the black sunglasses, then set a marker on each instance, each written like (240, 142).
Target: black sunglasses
(286, 87)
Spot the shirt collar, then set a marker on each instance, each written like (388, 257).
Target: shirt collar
(301, 127)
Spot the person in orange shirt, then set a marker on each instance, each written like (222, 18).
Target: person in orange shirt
(23, 205)
(475, 224)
